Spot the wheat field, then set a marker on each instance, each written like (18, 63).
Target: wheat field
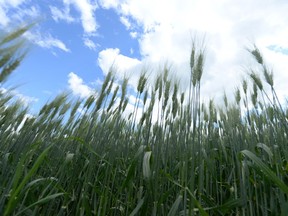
(192, 159)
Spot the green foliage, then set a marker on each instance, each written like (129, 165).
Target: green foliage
(192, 159)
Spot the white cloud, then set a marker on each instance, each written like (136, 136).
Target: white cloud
(78, 87)
(89, 43)
(86, 9)
(46, 41)
(26, 100)
(20, 14)
(112, 57)
(19, 11)
(12, 3)
(107, 4)
(125, 21)
(4, 20)
(133, 34)
(107, 58)
(64, 14)
(228, 27)
(124, 66)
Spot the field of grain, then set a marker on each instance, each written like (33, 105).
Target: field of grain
(193, 159)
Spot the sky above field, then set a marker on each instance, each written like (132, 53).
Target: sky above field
(76, 41)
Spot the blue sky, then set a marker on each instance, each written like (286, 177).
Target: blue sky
(76, 41)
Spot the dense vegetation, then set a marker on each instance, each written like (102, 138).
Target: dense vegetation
(193, 159)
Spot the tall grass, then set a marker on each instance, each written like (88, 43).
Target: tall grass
(193, 159)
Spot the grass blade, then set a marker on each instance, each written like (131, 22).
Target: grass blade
(146, 165)
(41, 201)
(175, 206)
(266, 170)
(15, 191)
(137, 208)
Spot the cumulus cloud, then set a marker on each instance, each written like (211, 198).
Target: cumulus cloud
(86, 9)
(78, 87)
(228, 26)
(123, 65)
(87, 15)
(112, 57)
